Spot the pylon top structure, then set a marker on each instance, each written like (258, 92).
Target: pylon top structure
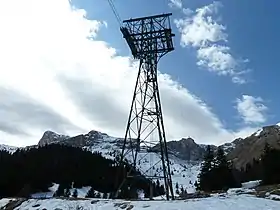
(148, 35)
(149, 38)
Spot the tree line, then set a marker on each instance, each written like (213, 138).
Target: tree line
(266, 168)
(218, 173)
(32, 170)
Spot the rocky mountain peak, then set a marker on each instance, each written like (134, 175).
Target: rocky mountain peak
(91, 138)
(187, 141)
(51, 137)
(96, 135)
(252, 146)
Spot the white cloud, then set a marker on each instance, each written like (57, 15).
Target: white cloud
(75, 83)
(176, 3)
(251, 109)
(199, 29)
(203, 32)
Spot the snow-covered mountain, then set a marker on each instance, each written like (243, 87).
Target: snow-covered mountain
(185, 154)
(8, 148)
(184, 172)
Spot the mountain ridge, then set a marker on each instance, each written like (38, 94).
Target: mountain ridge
(240, 150)
(185, 154)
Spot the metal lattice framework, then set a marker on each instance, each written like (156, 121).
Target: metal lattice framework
(149, 39)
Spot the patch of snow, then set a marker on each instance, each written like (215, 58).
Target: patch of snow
(54, 187)
(251, 184)
(258, 132)
(228, 146)
(237, 191)
(48, 194)
(4, 202)
(274, 197)
(241, 202)
(141, 194)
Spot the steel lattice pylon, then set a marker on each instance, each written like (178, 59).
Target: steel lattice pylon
(149, 39)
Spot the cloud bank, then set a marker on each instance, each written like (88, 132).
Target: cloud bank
(56, 75)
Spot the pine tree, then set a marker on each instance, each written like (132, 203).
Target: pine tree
(197, 186)
(105, 195)
(111, 195)
(221, 160)
(177, 188)
(90, 193)
(271, 165)
(75, 193)
(157, 188)
(182, 190)
(205, 174)
(222, 172)
(157, 183)
(98, 195)
(67, 192)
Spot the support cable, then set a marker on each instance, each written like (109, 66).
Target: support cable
(117, 16)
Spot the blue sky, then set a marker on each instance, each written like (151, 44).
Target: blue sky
(220, 83)
(252, 34)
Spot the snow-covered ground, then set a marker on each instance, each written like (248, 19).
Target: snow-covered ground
(237, 198)
(233, 202)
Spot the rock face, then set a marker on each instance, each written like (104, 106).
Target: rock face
(51, 137)
(252, 147)
(185, 149)
(89, 139)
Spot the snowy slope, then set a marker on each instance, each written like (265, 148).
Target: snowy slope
(149, 163)
(233, 202)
